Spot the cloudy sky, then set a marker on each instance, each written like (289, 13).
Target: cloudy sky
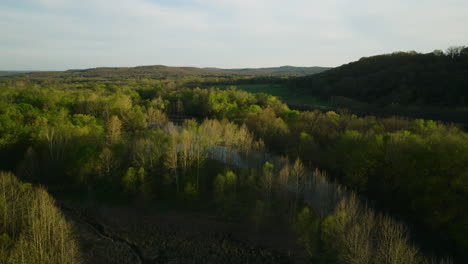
(70, 34)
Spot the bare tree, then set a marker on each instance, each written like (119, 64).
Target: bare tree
(56, 143)
(106, 163)
(393, 243)
(156, 117)
(147, 151)
(187, 145)
(39, 232)
(454, 51)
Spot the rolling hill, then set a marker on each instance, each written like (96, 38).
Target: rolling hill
(402, 78)
(161, 71)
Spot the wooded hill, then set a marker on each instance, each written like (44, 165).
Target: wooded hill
(283, 70)
(161, 71)
(6, 73)
(401, 79)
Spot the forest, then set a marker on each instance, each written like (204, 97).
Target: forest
(431, 85)
(404, 78)
(158, 165)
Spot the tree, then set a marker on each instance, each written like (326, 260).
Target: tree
(33, 229)
(130, 181)
(454, 51)
(267, 180)
(225, 188)
(57, 140)
(156, 118)
(106, 163)
(134, 182)
(171, 159)
(179, 107)
(29, 167)
(144, 188)
(114, 130)
(283, 181)
(201, 152)
(438, 52)
(187, 145)
(306, 226)
(148, 148)
(190, 192)
(464, 51)
(158, 103)
(298, 175)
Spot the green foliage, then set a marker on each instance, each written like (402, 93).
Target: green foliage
(225, 187)
(190, 192)
(112, 133)
(267, 180)
(394, 79)
(353, 233)
(134, 181)
(307, 227)
(129, 180)
(306, 138)
(225, 184)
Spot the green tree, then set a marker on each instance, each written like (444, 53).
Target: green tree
(225, 188)
(130, 181)
(114, 130)
(267, 180)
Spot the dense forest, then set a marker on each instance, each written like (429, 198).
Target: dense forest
(351, 189)
(402, 78)
(430, 86)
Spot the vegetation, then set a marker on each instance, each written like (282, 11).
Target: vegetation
(356, 234)
(5, 73)
(162, 72)
(431, 86)
(399, 78)
(281, 91)
(136, 139)
(33, 229)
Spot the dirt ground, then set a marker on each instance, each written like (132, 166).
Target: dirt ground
(125, 234)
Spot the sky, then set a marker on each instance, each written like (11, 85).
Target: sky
(77, 34)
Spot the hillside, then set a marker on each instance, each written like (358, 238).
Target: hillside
(161, 71)
(397, 79)
(6, 73)
(283, 70)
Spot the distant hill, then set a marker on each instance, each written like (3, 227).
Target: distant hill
(283, 70)
(7, 73)
(161, 71)
(402, 78)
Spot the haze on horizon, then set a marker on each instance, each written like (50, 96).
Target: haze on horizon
(66, 34)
